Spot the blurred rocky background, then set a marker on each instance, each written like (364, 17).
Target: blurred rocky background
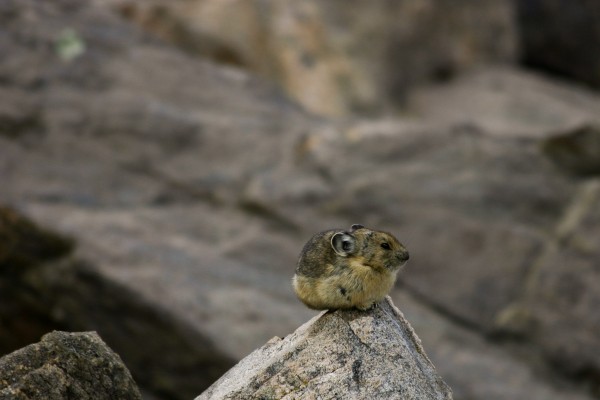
(163, 162)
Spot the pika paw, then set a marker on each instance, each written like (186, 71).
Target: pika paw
(348, 269)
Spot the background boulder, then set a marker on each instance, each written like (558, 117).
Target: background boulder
(188, 187)
(337, 58)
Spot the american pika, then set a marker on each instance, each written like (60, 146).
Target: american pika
(348, 269)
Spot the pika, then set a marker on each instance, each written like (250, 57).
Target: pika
(348, 269)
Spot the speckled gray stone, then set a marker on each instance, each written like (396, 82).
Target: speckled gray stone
(66, 365)
(341, 354)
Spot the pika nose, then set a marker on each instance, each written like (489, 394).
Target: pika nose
(403, 256)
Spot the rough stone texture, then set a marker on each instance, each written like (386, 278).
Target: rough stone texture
(561, 37)
(341, 354)
(190, 188)
(66, 365)
(336, 58)
(555, 311)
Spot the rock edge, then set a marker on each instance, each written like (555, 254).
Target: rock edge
(354, 354)
(66, 365)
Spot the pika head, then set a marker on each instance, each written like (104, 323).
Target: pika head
(348, 268)
(376, 249)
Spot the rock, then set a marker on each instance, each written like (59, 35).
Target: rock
(66, 365)
(458, 352)
(561, 37)
(349, 354)
(561, 296)
(191, 313)
(507, 102)
(103, 106)
(482, 201)
(335, 59)
(138, 147)
(190, 188)
(475, 204)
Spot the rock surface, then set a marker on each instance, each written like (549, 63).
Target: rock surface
(191, 318)
(103, 148)
(507, 102)
(554, 311)
(190, 187)
(342, 354)
(336, 59)
(481, 200)
(66, 365)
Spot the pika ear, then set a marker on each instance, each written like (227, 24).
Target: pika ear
(356, 226)
(343, 244)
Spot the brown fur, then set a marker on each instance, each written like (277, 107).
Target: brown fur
(330, 277)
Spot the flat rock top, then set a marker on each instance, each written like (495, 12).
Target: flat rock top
(349, 354)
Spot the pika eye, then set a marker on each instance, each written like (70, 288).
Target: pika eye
(385, 246)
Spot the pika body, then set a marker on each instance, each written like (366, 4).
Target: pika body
(344, 269)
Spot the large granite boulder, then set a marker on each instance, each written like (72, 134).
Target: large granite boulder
(465, 201)
(131, 141)
(334, 57)
(477, 194)
(555, 311)
(66, 366)
(342, 354)
(190, 188)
